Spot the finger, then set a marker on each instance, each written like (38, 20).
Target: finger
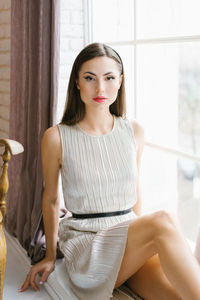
(32, 281)
(25, 284)
(44, 277)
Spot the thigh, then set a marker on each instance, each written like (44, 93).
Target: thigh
(150, 282)
(143, 236)
(139, 247)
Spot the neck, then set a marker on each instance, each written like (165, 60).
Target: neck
(97, 122)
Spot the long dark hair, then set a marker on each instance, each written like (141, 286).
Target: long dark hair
(74, 107)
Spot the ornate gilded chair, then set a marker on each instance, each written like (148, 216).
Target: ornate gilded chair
(11, 148)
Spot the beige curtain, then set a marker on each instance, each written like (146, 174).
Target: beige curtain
(34, 90)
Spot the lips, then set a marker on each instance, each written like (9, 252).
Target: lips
(99, 99)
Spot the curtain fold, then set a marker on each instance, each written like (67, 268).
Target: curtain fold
(34, 90)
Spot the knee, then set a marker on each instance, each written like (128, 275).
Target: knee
(163, 224)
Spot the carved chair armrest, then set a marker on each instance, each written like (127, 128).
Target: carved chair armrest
(11, 148)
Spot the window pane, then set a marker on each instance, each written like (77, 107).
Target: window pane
(189, 196)
(127, 55)
(158, 18)
(112, 20)
(168, 94)
(158, 180)
(164, 185)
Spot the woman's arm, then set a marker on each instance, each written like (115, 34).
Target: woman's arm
(138, 131)
(51, 162)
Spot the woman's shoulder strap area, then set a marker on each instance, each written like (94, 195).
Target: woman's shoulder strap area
(136, 130)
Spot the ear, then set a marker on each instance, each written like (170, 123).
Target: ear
(120, 80)
(77, 85)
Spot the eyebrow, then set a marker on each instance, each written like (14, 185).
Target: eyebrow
(96, 75)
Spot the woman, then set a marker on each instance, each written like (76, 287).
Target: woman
(106, 242)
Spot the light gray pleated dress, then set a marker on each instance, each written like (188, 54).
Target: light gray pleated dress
(99, 174)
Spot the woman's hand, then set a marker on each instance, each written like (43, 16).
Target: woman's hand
(43, 268)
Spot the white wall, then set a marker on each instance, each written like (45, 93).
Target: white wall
(72, 41)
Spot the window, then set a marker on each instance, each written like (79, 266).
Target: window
(159, 42)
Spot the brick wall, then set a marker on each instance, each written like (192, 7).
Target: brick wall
(5, 9)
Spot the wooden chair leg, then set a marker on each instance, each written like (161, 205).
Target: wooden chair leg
(2, 256)
(3, 191)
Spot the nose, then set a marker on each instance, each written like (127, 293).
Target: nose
(100, 87)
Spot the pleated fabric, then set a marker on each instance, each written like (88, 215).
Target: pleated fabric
(99, 174)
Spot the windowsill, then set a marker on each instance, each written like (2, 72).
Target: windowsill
(17, 267)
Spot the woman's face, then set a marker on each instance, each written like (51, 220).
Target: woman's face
(99, 81)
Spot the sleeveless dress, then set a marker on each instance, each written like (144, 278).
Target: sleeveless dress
(99, 174)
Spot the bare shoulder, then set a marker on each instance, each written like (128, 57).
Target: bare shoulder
(138, 131)
(137, 128)
(51, 143)
(52, 136)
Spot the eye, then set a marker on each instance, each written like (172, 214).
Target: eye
(88, 78)
(110, 78)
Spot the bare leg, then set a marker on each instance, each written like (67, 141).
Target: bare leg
(151, 283)
(159, 233)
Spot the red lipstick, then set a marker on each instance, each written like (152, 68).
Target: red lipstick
(99, 99)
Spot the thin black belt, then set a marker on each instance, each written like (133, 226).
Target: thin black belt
(102, 215)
